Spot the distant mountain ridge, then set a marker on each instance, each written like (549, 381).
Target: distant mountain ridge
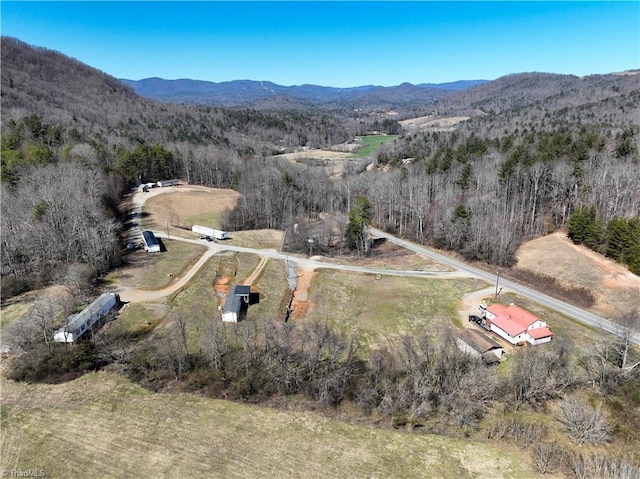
(247, 92)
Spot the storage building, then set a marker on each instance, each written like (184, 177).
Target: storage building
(151, 244)
(237, 298)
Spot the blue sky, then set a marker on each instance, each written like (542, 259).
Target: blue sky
(337, 44)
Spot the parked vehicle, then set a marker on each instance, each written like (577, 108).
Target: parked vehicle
(482, 322)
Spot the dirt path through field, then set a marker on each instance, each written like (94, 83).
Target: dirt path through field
(256, 272)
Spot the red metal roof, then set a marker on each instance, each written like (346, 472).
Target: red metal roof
(539, 333)
(514, 320)
(508, 325)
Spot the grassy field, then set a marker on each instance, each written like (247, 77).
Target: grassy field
(14, 311)
(101, 425)
(188, 205)
(372, 143)
(137, 319)
(197, 302)
(378, 310)
(266, 239)
(274, 292)
(151, 271)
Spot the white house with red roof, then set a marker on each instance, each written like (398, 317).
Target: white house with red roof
(516, 325)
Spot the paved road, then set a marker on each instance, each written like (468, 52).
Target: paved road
(128, 294)
(460, 270)
(578, 314)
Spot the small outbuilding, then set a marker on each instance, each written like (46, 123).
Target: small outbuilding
(150, 242)
(237, 300)
(478, 345)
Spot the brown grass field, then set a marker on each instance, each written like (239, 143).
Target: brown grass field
(186, 205)
(101, 425)
(380, 310)
(616, 289)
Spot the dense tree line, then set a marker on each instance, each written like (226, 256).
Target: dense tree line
(54, 221)
(618, 239)
(484, 196)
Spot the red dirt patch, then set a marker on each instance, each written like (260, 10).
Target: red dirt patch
(300, 303)
(221, 286)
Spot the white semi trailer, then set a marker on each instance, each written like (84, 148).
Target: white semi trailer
(209, 232)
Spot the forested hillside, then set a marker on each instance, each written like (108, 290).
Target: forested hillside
(74, 138)
(537, 148)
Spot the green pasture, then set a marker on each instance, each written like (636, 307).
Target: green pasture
(372, 143)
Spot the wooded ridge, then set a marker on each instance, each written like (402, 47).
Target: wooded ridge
(247, 93)
(537, 147)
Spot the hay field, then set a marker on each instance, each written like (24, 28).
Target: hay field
(101, 425)
(431, 123)
(184, 206)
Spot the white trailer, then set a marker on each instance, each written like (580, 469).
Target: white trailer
(165, 183)
(209, 232)
(78, 324)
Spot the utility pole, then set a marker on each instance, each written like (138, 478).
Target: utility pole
(166, 223)
(497, 281)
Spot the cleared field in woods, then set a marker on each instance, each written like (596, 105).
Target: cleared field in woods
(101, 425)
(380, 309)
(372, 143)
(616, 289)
(184, 206)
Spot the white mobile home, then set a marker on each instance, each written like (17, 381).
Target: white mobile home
(78, 324)
(151, 244)
(210, 232)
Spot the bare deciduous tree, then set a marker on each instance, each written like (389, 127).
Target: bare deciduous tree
(583, 423)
